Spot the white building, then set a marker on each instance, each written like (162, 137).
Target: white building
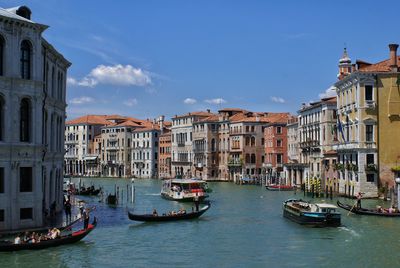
(182, 143)
(80, 156)
(145, 143)
(32, 111)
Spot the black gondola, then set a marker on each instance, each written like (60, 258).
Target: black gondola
(63, 240)
(88, 191)
(365, 211)
(161, 218)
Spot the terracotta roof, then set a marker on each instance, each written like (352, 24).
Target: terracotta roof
(128, 123)
(260, 117)
(152, 127)
(383, 66)
(211, 118)
(89, 120)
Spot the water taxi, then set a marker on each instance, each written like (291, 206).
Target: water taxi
(184, 189)
(317, 215)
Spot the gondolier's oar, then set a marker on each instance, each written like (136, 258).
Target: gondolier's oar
(352, 208)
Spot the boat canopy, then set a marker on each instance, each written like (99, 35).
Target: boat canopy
(324, 205)
(187, 181)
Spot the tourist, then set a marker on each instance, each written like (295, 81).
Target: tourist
(17, 240)
(155, 214)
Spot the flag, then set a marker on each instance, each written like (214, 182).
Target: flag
(340, 128)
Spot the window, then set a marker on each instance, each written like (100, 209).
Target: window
(26, 49)
(370, 159)
(2, 45)
(25, 179)
(279, 158)
(279, 143)
(1, 180)
(370, 177)
(279, 130)
(368, 93)
(369, 133)
(25, 120)
(25, 213)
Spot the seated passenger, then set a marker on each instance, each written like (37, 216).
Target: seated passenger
(155, 214)
(17, 240)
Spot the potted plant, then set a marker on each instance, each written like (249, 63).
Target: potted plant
(371, 167)
(396, 169)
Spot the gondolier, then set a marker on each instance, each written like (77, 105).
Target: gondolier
(359, 196)
(196, 201)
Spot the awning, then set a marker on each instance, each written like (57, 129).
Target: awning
(90, 158)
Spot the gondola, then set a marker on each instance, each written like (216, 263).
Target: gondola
(63, 240)
(89, 191)
(365, 211)
(276, 187)
(163, 218)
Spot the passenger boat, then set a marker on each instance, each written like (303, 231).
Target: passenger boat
(162, 218)
(365, 211)
(317, 215)
(63, 240)
(279, 187)
(184, 189)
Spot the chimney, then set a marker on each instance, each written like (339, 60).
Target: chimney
(161, 123)
(208, 110)
(393, 57)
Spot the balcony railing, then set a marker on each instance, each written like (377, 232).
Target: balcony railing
(235, 163)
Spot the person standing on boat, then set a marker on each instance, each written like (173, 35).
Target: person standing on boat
(196, 201)
(86, 218)
(359, 196)
(68, 213)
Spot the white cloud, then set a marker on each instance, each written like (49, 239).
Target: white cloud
(131, 102)
(81, 100)
(330, 92)
(278, 99)
(216, 101)
(118, 74)
(189, 101)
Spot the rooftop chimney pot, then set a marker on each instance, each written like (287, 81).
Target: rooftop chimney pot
(393, 57)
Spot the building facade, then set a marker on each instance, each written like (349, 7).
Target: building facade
(145, 152)
(368, 113)
(81, 158)
(182, 143)
(164, 152)
(32, 111)
(317, 132)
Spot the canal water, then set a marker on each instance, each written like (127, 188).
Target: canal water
(243, 228)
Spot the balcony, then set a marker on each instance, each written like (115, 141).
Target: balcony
(309, 143)
(181, 144)
(235, 163)
(71, 142)
(370, 104)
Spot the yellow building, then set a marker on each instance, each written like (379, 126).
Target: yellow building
(369, 124)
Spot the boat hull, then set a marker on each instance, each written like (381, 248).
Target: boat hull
(182, 199)
(74, 237)
(165, 218)
(279, 188)
(313, 219)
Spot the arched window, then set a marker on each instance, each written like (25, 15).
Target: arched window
(253, 158)
(253, 141)
(247, 158)
(2, 47)
(1, 118)
(26, 51)
(247, 141)
(25, 123)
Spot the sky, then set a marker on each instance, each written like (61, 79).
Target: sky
(151, 58)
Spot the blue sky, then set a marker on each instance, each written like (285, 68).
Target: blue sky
(147, 58)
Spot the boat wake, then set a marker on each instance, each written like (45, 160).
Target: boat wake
(152, 194)
(352, 232)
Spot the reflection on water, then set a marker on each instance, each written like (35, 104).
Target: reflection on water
(243, 228)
